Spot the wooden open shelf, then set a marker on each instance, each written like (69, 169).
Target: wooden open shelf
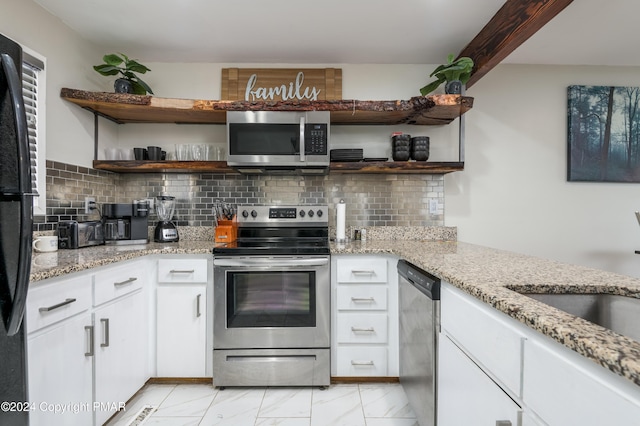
(126, 108)
(401, 167)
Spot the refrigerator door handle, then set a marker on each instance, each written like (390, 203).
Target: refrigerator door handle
(24, 185)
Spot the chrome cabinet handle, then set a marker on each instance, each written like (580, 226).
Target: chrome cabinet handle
(363, 330)
(353, 362)
(362, 272)
(363, 299)
(198, 313)
(105, 332)
(89, 329)
(302, 141)
(57, 305)
(130, 280)
(182, 271)
(503, 423)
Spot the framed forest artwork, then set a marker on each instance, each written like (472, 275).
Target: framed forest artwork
(603, 134)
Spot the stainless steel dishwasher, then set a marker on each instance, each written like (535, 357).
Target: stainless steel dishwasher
(419, 298)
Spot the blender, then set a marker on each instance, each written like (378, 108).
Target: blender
(165, 231)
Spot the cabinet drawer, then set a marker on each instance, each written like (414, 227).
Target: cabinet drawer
(49, 303)
(362, 328)
(362, 361)
(485, 334)
(362, 297)
(370, 270)
(182, 271)
(117, 281)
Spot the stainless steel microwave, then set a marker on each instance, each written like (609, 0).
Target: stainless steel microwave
(278, 141)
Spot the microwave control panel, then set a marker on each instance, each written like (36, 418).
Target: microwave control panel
(316, 137)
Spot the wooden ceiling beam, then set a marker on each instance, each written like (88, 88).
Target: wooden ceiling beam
(512, 25)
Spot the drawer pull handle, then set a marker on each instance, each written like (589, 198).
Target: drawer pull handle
(370, 272)
(89, 329)
(363, 330)
(130, 280)
(363, 299)
(56, 306)
(182, 271)
(105, 332)
(353, 362)
(198, 313)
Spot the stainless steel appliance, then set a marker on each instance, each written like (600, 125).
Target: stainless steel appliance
(165, 231)
(271, 322)
(278, 141)
(419, 299)
(126, 223)
(73, 234)
(16, 223)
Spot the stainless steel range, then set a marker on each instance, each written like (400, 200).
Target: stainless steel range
(271, 299)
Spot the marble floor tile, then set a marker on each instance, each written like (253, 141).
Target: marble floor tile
(286, 402)
(234, 407)
(187, 401)
(385, 400)
(173, 421)
(152, 395)
(273, 421)
(339, 405)
(391, 422)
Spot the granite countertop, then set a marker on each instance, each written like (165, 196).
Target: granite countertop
(493, 276)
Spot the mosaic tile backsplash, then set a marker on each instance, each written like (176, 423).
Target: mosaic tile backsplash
(372, 199)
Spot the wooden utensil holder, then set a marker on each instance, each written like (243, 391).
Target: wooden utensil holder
(226, 231)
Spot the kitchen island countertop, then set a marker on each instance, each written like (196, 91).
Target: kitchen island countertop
(492, 276)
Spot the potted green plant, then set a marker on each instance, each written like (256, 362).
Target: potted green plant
(454, 73)
(129, 82)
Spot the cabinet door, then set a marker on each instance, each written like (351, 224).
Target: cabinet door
(181, 322)
(467, 396)
(60, 373)
(121, 352)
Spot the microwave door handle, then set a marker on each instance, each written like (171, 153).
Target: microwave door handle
(302, 143)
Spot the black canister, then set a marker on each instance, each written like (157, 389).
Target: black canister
(420, 148)
(401, 147)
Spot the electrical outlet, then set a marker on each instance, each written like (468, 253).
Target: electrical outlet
(88, 203)
(433, 206)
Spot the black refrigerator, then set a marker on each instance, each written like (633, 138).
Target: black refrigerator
(16, 222)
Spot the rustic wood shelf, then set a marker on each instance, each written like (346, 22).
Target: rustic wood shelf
(127, 108)
(398, 167)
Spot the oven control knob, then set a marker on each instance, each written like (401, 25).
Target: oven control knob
(319, 213)
(310, 213)
(245, 213)
(302, 213)
(254, 213)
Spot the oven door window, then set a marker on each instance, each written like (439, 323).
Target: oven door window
(271, 299)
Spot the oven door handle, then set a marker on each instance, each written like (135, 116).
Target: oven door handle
(273, 263)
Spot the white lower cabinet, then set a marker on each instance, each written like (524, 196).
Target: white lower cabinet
(364, 325)
(120, 352)
(181, 317)
(60, 366)
(466, 395)
(495, 369)
(181, 330)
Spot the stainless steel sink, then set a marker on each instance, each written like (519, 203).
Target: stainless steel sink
(620, 314)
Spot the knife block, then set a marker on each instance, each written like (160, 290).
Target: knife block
(226, 231)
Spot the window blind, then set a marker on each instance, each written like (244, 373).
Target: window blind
(31, 67)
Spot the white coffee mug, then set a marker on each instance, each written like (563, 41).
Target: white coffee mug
(45, 243)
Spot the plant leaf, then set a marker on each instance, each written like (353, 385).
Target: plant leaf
(112, 59)
(431, 86)
(145, 87)
(106, 69)
(137, 67)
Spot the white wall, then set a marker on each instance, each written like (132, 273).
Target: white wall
(513, 193)
(69, 60)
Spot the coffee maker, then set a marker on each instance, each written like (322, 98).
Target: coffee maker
(126, 223)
